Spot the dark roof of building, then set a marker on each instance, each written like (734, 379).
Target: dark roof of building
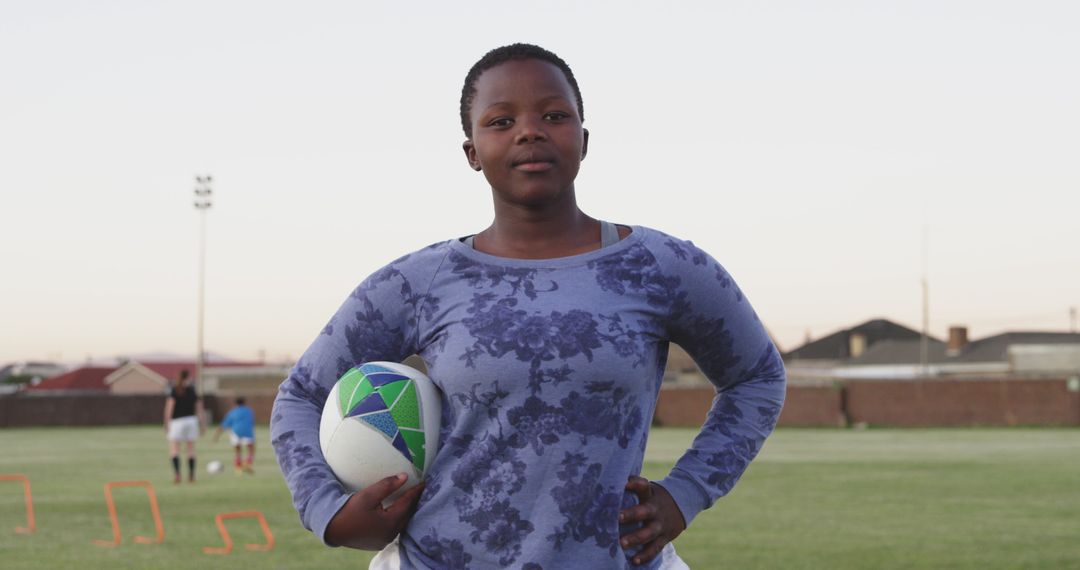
(901, 352)
(996, 348)
(837, 346)
(86, 378)
(908, 350)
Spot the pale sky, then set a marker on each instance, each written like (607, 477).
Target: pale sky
(805, 145)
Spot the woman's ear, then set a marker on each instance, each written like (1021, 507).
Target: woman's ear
(584, 143)
(470, 154)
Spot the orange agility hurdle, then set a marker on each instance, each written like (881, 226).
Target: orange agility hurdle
(28, 498)
(116, 521)
(220, 520)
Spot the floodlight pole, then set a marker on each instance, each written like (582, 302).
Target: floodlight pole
(202, 204)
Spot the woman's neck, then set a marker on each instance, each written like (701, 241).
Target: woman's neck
(539, 233)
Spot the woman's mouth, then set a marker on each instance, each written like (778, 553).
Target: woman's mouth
(534, 166)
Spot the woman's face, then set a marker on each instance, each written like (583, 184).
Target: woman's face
(527, 135)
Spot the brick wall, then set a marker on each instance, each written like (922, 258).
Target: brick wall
(900, 403)
(683, 407)
(106, 410)
(962, 402)
(914, 403)
(807, 406)
(814, 406)
(81, 410)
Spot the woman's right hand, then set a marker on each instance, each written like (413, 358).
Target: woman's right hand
(363, 522)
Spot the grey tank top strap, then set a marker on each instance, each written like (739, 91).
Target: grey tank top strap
(609, 235)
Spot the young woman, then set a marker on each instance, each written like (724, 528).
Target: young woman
(547, 333)
(183, 424)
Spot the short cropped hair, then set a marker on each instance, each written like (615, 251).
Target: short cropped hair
(502, 55)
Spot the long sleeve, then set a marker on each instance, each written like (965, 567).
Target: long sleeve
(378, 321)
(714, 322)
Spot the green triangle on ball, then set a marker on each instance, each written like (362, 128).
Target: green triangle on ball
(406, 410)
(352, 389)
(415, 441)
(391, 391)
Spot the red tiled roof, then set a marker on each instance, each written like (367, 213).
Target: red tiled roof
(86, 378)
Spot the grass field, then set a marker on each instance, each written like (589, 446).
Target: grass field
(958, 498)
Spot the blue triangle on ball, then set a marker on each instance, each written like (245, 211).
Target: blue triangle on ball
(399, 443)
(381, 379)
(379, 375)
(373, 403)
(383, 422)
(373, 369)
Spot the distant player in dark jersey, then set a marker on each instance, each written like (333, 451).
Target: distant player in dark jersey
(240, 421)
(183, 423)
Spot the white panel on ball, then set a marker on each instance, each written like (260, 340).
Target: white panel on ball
(367, 458)
(394, 427)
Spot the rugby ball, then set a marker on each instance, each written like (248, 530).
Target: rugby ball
(381, 419)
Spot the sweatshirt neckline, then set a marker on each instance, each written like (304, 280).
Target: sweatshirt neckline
(635, 236)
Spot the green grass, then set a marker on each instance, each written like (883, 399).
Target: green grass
(961, 498)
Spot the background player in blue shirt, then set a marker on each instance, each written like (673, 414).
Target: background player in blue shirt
(240, 421)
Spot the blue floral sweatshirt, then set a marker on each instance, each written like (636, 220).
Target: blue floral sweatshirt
(549, 371)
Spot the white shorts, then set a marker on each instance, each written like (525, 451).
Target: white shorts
(184, 429)
(389, 558)
(237, 440)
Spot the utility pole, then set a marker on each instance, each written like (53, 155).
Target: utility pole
(202, 204)
(924, 342)
(1072, 319)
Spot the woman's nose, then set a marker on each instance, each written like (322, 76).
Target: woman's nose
(530, 130)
